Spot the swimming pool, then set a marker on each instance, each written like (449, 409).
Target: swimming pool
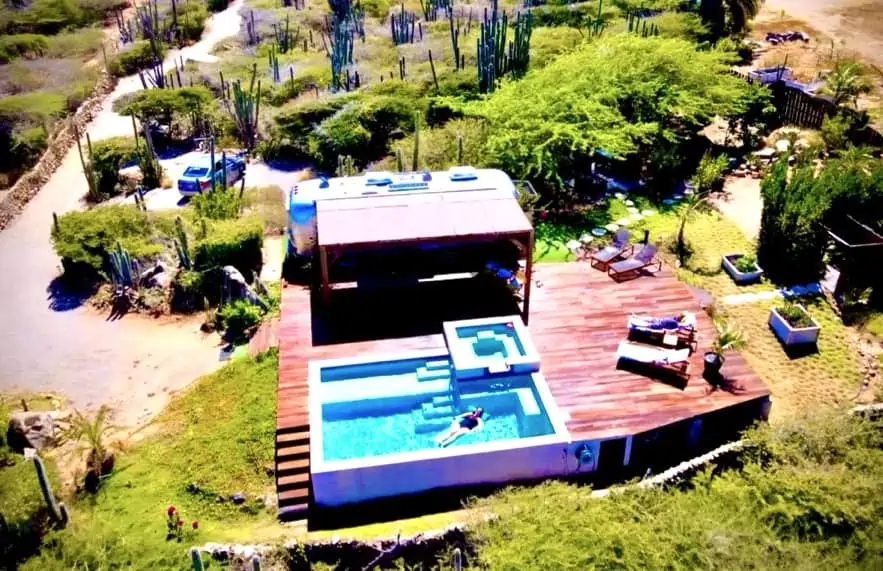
(373, 424)
(496, 345)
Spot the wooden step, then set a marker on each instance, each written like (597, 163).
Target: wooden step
(286, 436)
(294, 495)
(298, 439)
(301, 480)
(291, 452)
(294, 465)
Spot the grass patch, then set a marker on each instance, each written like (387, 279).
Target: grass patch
(214, 440)
(36, 107)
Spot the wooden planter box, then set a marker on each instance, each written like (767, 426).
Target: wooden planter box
(740, 278)
(791, 335)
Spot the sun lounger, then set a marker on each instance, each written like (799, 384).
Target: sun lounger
(674, 360)
(683, 334)
(632, 267)
(618, 248)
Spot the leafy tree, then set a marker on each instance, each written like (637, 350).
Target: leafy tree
(846, 82)
(169, 107)
(754, 114)
(623, 94)
(723, 17)
(709, 174)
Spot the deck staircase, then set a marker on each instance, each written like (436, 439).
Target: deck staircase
(438, 411)
(293, 471)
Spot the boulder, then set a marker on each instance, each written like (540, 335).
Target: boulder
(31, 430)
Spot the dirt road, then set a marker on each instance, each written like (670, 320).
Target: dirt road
(51, 344)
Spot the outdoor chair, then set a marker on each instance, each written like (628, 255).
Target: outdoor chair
(670, 360)
(632, 267)
(618, 248)
(657, 331)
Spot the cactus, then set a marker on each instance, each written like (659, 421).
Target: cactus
(402, 72)
(432, 67)
(415, 157)
(181, 245)
(256, 563)
(121, 267)
(250, 29)
(493, 61)
(57, 510)
(457, 560)
(55, 228)
(244, 107)
(459, 149)
(455, 35)
(196, 559)
(400, 162)
(88, 170)
(345, 166)
(597, 24)
(274, 64)
(431, 7)
(341, 41)
(283, 37)
(402, 25)
(148, 161)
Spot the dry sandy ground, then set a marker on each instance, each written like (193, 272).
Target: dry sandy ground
(49, 344)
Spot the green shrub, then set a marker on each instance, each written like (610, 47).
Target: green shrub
(234, 243)
(238, 318)
(340, 135)
(34, 108)
(84, 238)
(80, 43)
(746, 263)
(23, 149)
(684, 25)
(304, 80)
(835, 131)
(548, 43)
(42, 17)
(293, 127)
(134, 58)
(438, 146)
(108, 157)
(187, 294)
(174, 108)
(191, 20)
(375, 8)
(22, 45)
(794, 315)
(218, 204)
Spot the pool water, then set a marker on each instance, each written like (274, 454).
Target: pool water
(389, 407)
(491, 341)
(380, 435)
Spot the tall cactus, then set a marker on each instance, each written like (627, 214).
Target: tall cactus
(250, 30)
(402, 25)
(341, 39)
(459, 150)
(57, 510)
(455, 35)
(519, 49)
(457, 560)
(493, 62)
(243, 107)
(256, 563)
(196, 559)
(415, 157)
(431, 7)
(597, 24)
(181, 244)
(88, 170)
(283, 37)
(274, 65)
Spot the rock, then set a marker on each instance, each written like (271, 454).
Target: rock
(31, 430)
(238, 498)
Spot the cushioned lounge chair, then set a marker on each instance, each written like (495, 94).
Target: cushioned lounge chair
(632, 267)
(673, 360)
(618, 248)
(652, 329)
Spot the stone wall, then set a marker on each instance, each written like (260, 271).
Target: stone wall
(30, 184)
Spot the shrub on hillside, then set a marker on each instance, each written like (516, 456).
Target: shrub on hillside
(548, 43)
(80, 43)
(108, 157)
(134, 58)
(22, 45)
(218, 204)
(290, 134)
(438, 146)
(178, 109)
(304, 80)
(238, 318)
(235, 242)
(83, 239)
(42, 17)
(21, 149)
(32, 108)
(191, 21)
(187, 293)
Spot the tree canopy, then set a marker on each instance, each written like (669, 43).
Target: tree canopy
(621, 93)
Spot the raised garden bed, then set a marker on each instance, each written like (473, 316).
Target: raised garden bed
(743, 269)
(793, 325)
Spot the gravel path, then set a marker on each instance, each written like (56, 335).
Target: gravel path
(52, 344)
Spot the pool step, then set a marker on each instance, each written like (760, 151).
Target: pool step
(424, 374)
(442, 400)
(439, 364)
(432, 412)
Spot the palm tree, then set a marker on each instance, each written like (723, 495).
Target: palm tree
(92, 432)
(846, 82)
(708, 175)
(728, 16)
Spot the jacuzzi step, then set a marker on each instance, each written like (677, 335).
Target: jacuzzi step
(442, 400)
(424, 374)
(431, 426)
(439, 364)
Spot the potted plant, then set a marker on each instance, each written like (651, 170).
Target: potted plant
(793, 325)
(742, 268)
(728, 339)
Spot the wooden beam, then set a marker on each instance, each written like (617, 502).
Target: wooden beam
(528, 278)
(323, 269)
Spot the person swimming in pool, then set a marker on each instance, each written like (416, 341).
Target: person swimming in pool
(463, 424)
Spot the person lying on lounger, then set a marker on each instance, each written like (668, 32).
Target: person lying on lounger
(682, 320)
(463, 424)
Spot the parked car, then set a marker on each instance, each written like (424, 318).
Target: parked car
(197, 177)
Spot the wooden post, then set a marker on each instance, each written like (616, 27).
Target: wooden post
(528, 278)
(323, 269)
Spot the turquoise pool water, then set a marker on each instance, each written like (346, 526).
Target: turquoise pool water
(491, 341)
(378, 408)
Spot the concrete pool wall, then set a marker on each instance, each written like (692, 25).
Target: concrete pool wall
(338, 482)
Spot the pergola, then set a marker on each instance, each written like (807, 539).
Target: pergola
(349, 225)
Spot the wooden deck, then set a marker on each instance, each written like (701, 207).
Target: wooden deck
(577, 320)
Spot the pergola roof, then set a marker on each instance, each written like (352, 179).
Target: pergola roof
(391, 219)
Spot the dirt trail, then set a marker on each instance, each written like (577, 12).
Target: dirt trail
(51, 344)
